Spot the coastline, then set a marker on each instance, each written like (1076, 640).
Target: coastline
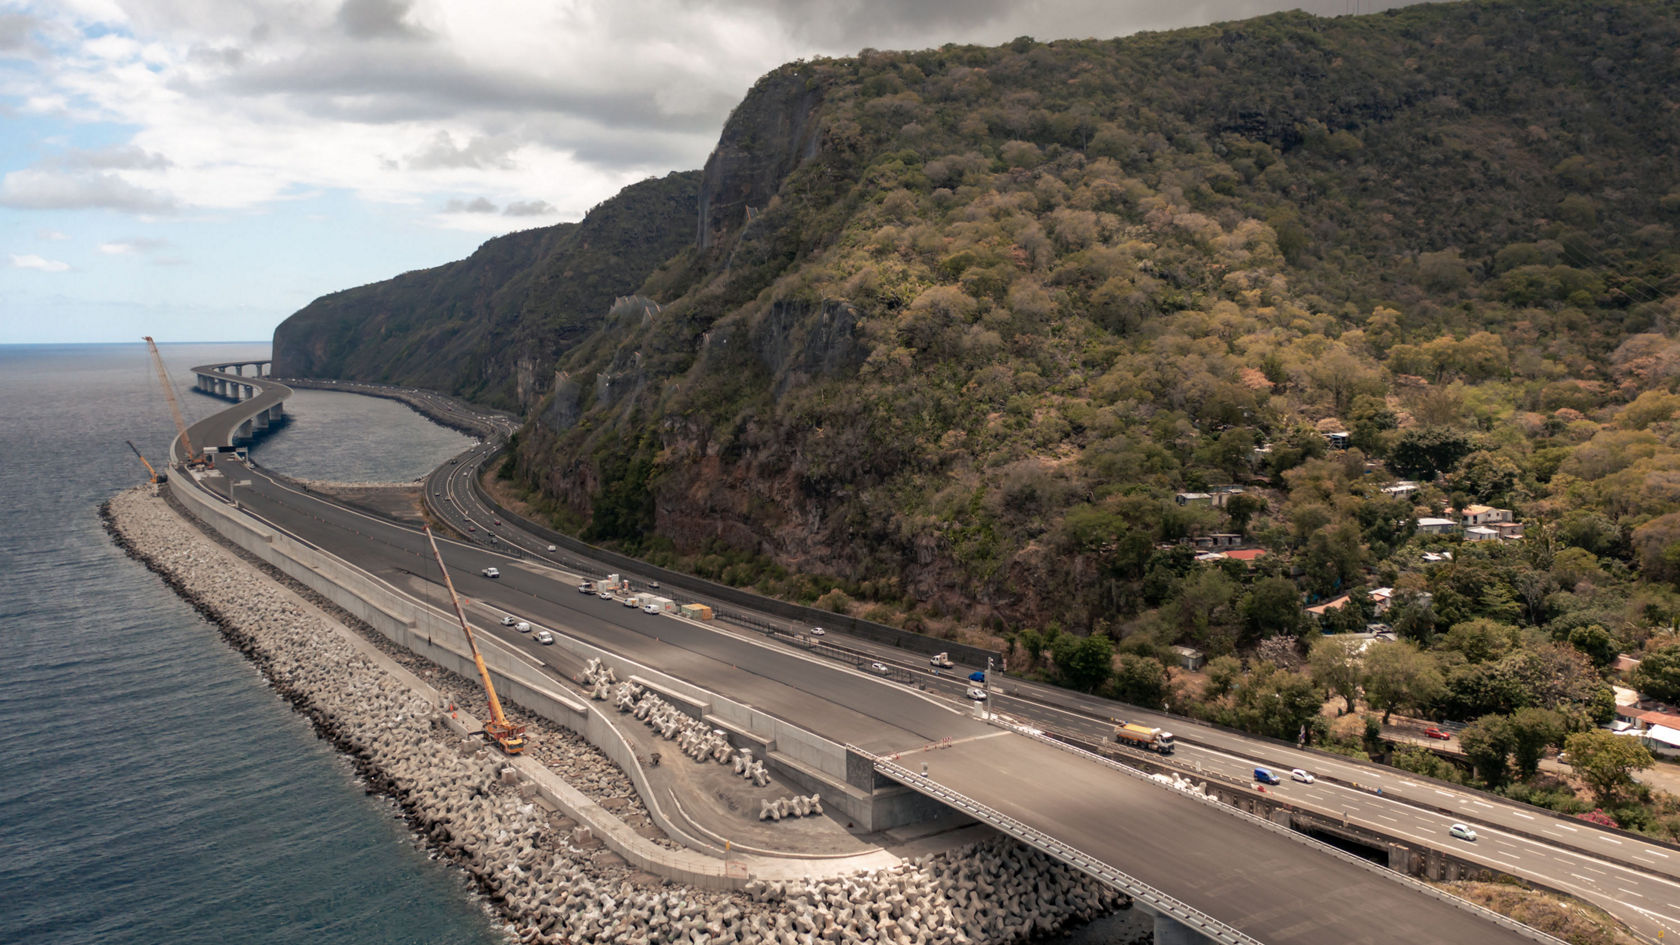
(548, 878)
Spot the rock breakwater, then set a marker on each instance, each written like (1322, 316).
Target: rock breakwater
(550, 882)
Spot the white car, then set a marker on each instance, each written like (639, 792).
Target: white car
(1301, 775)
(978, 695)
(552, 548)
(1462, 832)
(878, 668)
(522, 627)
(605, 595)
(507, 620)
(817, 631)
(544, 637)
(491, 573)
(650, 608)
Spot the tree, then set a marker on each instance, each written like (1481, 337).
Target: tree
(1422, 452)
(1336, 666)
(1658, 675)
(1606, 761)
(1141, 680)
(1222, 673)
(1532, 731)
(1084, 663)
(1487, 743)
(1596, 642)
(1272, 606)
(1400, 676)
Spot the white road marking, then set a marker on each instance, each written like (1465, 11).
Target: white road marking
(1565, 827)
(1523, 815)
(1583, 879)
(1445, 793)
(1483, 804)
(1650, 853)
(1609, 839)
(1629, 892)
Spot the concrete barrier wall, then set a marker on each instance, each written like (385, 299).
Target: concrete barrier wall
(437, 637)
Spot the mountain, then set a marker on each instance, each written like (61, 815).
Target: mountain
(946, 331)
(491, 326)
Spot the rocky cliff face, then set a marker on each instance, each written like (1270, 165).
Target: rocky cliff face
(491, 327)
(769, 134)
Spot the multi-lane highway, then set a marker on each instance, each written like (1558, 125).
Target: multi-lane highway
(1228, 868)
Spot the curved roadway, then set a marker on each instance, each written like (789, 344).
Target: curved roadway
(1250, 878)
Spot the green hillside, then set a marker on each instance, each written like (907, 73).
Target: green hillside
(949, 331)
(491, 326)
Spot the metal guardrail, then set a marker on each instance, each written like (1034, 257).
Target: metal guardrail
(1137, 889)
(1301, 838)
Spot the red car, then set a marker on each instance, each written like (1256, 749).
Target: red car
(1433, 732)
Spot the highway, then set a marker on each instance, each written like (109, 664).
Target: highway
(1180, 846)
(1636, 879)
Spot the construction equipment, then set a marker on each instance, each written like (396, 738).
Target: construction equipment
(508, 736)
(195, 460)
(157, 477)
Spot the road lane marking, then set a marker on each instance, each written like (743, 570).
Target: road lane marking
(1523, 815)
(1650, 853)
(1445, 793)
(1629, 892)
(1565, 827)
(1584, 879)
(1609, 839)
(1483, 804)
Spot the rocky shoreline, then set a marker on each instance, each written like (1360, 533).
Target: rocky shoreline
(549, 882)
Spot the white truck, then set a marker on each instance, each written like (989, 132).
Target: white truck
(941, 661)
(658, 605)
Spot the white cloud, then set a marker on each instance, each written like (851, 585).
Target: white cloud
(32, 261)
(135, 246)
(51, 235)
(32, 189)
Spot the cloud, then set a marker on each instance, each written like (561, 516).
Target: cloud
(378, 19)
(130, 247)
(480, 152)
(32, 261)
(17, 36)
(33, 189)
(475, 205)
(122, 157)
(51, 235)
(528, 208)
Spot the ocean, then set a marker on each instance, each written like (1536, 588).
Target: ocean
(152, 788)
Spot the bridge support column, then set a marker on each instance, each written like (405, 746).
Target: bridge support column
(1169, 931)
(244, 432)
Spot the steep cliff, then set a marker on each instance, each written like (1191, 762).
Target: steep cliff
(491, 327)
(957, 323)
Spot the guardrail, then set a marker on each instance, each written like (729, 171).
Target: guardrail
(1301, 838)
(1140, 891)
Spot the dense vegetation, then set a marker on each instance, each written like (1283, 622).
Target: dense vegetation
(974, 316)
(490, 327)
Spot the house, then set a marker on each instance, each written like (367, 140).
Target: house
(1656, 728)
(1430, 557)
(1381, 599)
(1218, 540)
(1194, 498)
(1436, 526)
(1190, 658)
(1404, 487)
(1338, 440)
(1508, 531)
(1624, 664)
(1485, 515)
(1246, 555)
(1320, 610)
(1208, 557)
(1480, 533)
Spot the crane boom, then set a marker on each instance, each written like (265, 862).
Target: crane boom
(157, 477)
(193, 458)
(510, 737)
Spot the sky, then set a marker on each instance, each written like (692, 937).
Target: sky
(197, 170)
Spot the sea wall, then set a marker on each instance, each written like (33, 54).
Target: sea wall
(544, 872)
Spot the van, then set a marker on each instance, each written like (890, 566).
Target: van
(1265, 776)
(522, 627)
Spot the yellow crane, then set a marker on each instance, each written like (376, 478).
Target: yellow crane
(510, 737)
(193, 458)
(157, 477)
